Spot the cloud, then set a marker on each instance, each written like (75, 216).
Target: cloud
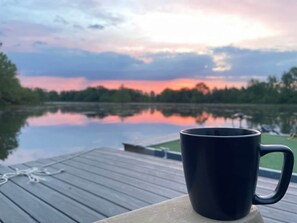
(25, 36)
(279, 16)
(109, 18)
(60, 19)
(96, 26)
(39, 43)
(164, 66)
(76, 26)
(54, 83)
(259, 63)
(244, 23)
(74, 63)
(229, 63)
(9, 2)
(111, 66)
(63, 23)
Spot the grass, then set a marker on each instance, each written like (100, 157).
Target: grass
(273, 160)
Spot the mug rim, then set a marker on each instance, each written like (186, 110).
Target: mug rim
(253, 132)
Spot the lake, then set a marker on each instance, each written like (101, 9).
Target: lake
(29, 133)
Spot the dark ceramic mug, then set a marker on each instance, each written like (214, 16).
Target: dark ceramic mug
(221, 170)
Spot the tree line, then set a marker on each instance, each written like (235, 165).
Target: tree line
(272, 91)
(11, 91)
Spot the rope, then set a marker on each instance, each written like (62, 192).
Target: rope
(35, 174)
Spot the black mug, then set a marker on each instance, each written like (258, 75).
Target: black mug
(221, 170)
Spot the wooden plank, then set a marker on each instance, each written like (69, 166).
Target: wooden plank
(288, 197)
(174, 187)
(273, 181)
(39, 210)
(272, 185)
(285, 206)
(278, 215)
(139, 156)
(57, 200)
(269, 220)
(110, 181)
(178, 187)
(100, 205)
(117, 199)
(133, 196)
(111, 156)
(162, 164)
(12, 212)
(125, 169)
(117, 177)
(265, 191)
(128, 180)
(131, 160)
(166, 164)
(136, 167)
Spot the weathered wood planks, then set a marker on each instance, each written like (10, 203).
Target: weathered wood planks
(105, 182)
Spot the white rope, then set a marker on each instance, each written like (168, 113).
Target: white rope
(35, 174)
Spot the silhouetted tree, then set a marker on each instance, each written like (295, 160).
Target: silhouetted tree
(11, 92)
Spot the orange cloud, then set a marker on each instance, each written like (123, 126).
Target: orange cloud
(63, 83)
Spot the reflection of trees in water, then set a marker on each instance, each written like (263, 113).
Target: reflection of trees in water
(275, 117)
(101, 111)
(10, 126)
(9, 129)
(282, 117)
(201, 119)
(11, 122)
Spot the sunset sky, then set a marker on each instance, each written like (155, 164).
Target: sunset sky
(148, 45)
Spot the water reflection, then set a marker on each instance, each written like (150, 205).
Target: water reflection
(10, 125)
(31, 133)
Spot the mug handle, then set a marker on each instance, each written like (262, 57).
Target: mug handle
(286, 174)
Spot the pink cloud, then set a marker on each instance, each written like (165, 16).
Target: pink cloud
(266, 11)
(279, 16)
(54, 83)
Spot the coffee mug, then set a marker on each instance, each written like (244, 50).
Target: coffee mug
(221, 170)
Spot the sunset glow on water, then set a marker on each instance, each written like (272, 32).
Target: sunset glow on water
(145, 117)
(57, 129)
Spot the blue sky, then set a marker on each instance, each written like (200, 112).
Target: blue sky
(106, 40)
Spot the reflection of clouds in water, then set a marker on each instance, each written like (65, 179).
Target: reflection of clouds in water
(69, 129)
(145, 132)
(58, 118)
(25, 155)
(77, 119)
(61, 139)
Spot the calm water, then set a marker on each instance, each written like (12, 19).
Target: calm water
(30, 133)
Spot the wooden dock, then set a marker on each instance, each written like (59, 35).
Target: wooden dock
(105, 182)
